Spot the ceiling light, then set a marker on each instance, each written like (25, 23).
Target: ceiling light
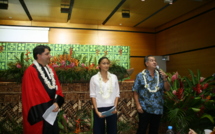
(125, 14)
(168, 1)
(64, 8)
(4, 4)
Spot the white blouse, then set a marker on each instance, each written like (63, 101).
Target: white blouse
(99, 93)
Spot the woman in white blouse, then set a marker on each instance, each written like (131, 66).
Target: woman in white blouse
(104, 91)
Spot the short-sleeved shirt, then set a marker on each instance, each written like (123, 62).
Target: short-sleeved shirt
(151, 102)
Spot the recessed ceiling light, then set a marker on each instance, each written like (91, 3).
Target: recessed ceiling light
(120, 24)
(10, 17)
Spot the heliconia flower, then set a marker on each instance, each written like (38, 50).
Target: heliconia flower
(18, 65)
(179, 93)
(175, 76)
(198, 88)
(82, 65)
(205, 86)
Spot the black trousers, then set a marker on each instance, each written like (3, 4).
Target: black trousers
(99, 123)
(146, 119)
(51, 129)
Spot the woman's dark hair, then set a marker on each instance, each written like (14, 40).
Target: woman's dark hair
(146, 59)
(39, 50)
(100, 60)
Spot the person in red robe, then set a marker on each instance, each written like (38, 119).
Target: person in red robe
(40, 90)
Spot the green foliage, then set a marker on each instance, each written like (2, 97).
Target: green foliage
(63, 123)
(69, 68)
(16, 69)
(119, 71)
(189, 103)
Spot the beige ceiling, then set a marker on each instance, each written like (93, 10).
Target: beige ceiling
(143, 14)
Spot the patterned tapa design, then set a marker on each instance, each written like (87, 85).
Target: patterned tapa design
(77, 104)
(120, 53)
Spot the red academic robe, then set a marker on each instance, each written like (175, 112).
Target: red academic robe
(35, 100)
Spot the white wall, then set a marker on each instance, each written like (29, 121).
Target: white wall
(23, 34)
(161, 62)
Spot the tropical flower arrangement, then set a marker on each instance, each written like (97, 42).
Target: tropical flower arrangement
(69, 67)
(190, 102)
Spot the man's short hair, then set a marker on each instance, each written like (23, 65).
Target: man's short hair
(146, 59)
(39, 50)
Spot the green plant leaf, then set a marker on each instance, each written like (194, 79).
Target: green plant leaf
(209, 117)
(193, 77)
(198, 76)
(195, 109)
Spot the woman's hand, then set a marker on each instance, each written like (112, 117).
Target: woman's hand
(99, 114)
(114, 112)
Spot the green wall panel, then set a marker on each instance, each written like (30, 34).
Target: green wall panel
(119, 53)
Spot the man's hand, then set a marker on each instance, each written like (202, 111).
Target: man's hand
(56, 107)
(139, 109)
(163, 74)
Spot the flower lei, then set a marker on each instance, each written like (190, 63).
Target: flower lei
(147, 85)
(109, 90)
(47, 82)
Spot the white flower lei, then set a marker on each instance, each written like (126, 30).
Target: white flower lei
(147, 85)
(109, 90)
(47, 82)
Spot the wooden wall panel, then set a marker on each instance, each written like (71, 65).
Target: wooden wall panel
(141, 44)
(138, 65)
(208, 6)
(192, 34)
(201, 59)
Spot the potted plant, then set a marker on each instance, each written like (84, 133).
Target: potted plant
(189, 103)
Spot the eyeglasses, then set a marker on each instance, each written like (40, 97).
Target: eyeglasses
(152, 60)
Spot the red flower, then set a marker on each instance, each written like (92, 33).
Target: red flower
(174, 77)
(205, 86)
(18, 65)
(179, 93)
(198, 88)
